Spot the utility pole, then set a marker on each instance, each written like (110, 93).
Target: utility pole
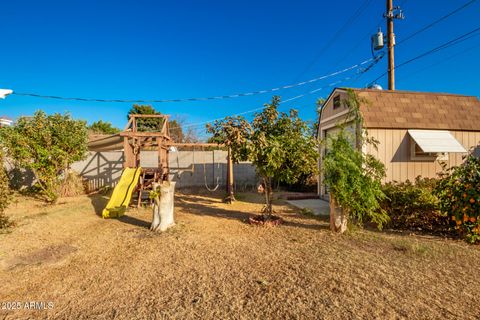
(391, 14)
(390, 46)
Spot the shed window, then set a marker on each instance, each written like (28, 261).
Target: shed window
(336, 102)
(417, 152)
(433, 144)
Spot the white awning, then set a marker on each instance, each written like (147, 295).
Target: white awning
(436, 141)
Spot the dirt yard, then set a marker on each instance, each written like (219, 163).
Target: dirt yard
(214, 265)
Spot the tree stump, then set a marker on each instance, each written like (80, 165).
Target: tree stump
(338, 217)
(163, 206)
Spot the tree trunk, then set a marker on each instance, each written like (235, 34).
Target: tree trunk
(230, 196)
(163, 206)
(268, 210)
(338, 217)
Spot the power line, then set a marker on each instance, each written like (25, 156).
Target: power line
(447, 44)
(365, 70)
(442, 61)
(332, 40)
(261, 108)
(237, 95)
(428, 26)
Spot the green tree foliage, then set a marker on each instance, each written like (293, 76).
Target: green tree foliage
(354, 180)
(414, 206)
(101, 127)
(234, 133)
(155, 124)
(5, 195)
(146, 124)
(353, 177)
(279, 145)
(459, 195)
(47, 145)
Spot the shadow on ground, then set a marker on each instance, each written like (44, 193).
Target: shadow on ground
(99, 202)
(193, 204)
(134, 221)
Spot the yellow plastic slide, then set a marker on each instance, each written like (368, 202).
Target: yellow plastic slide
(118, 203)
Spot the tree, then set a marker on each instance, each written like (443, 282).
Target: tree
(146, 124)
(46, 145)
(234, 133)
(281, 147)
(177, 132)
(353, 177)
(101, 127)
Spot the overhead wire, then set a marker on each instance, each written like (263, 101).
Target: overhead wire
(244, 94)
(450, 57)
(352, 77)
(332, 40)
(428, 26)
(445, 45)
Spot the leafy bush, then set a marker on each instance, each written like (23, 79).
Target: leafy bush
(413, 206)
(459, 195)
(46, 145)
(5, 196)
(354, 179)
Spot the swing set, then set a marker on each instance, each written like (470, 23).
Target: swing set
(191, 168)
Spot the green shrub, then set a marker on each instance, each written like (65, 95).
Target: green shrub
(459, 195)
(46, 145)
(413, 206)
(5, 196)
(354, 179)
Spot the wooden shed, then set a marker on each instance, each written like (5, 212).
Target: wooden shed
(416, 131)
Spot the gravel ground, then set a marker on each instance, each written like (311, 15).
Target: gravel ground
(214, 265)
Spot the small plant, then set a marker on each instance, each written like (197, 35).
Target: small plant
(459, 195)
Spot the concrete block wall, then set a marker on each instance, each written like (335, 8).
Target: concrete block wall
(195, 169)
(187, 168)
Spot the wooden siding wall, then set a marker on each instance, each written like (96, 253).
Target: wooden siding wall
(328, 110)
(394, 152)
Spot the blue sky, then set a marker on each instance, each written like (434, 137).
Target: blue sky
(180, 49)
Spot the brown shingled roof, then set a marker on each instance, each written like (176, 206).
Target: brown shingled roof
(419, 110)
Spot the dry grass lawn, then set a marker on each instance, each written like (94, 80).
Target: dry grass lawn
(214, 265)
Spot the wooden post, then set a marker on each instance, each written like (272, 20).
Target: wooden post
(128, 154)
